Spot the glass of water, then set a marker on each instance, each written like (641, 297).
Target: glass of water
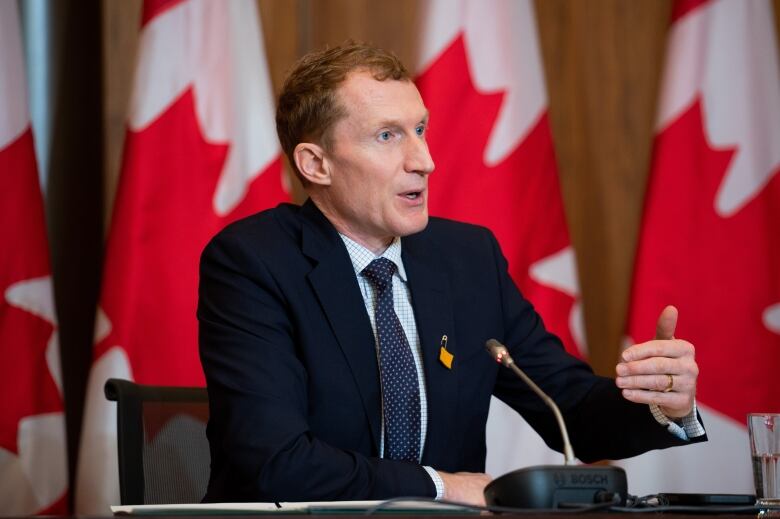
(764, 429)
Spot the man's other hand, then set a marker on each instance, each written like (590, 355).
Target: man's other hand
(465, 487)
(662, 371)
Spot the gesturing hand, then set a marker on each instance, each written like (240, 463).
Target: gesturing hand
(662, 371)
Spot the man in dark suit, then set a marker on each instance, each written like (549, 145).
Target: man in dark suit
(343, 341)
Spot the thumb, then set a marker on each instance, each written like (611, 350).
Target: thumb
(667, 322)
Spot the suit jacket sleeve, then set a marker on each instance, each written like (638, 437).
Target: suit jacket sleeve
(261, 444)
(601, 423)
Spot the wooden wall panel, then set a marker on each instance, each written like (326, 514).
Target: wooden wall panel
(284, 41)
(390, 25)
(120, 44)
(602, 63)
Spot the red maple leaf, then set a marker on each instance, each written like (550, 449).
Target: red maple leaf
(163, 218)
(153, 8)
(26, 384)
(721, 273)
(519, 199)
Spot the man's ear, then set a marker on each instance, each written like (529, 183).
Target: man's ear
(309, 158)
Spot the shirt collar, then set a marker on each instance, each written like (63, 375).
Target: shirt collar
(361, 256)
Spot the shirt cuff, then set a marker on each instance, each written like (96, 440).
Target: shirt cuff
(684, 428)
(437, 481)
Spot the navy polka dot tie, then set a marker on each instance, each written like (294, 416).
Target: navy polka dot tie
(400, 388)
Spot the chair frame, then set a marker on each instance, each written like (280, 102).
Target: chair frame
(130, 397)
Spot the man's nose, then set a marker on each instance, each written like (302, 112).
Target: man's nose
(418, 158)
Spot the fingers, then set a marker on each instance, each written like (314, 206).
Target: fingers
(648, 366)
(651, 382)
(678, 383)
(673, 348)
(662, 371)
(646, 379)
(667, 322)
(682, 367)
(673, 404)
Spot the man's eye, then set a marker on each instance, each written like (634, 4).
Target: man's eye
(420, 130)
(385, 136)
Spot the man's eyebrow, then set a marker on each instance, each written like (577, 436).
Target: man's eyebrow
(399, 123)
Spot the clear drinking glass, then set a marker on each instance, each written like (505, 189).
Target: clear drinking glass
(764, 430)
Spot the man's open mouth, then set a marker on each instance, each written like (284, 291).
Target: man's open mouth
(412, 195)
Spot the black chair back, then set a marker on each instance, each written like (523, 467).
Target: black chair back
(163, 451)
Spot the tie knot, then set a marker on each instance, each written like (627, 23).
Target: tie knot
(380, 272)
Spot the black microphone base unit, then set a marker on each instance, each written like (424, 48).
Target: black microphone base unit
(550, 486)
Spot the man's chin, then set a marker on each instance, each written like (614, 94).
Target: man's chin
(413, 227)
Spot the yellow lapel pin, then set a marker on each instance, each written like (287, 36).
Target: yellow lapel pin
(445, 357)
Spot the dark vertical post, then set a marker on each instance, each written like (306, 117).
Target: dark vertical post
(63, 41)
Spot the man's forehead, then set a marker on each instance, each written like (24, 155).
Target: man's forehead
(392, 99)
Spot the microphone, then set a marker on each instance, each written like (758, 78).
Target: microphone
(499, 352)
(548, 486)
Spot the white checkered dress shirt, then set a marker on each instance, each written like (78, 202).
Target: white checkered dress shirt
(402, 303)
(684, 428)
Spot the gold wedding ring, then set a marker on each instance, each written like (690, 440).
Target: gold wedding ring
(670, 385)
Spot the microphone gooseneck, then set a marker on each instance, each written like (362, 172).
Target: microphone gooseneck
(501, 355)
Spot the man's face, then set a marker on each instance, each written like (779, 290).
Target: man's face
(379, 161)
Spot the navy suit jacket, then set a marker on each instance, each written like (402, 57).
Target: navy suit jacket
(291, 368)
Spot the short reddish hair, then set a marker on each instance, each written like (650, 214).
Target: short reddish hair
(308, 107)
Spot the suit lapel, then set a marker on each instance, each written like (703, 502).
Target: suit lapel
(334, 283)
(431, 297)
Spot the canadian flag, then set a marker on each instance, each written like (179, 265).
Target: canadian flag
(33, 455)
(200, 151)
(709, 240)
(483, 83)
